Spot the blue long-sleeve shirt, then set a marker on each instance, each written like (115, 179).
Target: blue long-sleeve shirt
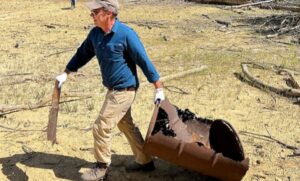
(118, 53)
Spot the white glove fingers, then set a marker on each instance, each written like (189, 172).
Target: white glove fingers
(61, 79)
(159, 96)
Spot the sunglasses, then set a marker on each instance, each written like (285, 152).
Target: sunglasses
(95, 12)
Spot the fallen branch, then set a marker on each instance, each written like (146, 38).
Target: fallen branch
(250, 4)
(57, 53)
(175, 89)
(16, 74)
(225, 23)
(24, 79)
(8, 109)
(149, 24)
(261, 85)
(280, 7)
(270, 138)
(279, 68)
(183, 74)
(292, 78)
(23, 130)
(288, 29)
(278, 25)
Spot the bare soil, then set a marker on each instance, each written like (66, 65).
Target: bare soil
(38, 37)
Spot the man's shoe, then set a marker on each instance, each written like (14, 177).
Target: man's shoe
(95, 174)
(135, 167)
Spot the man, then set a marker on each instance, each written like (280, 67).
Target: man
(73, 4)
(118, 50)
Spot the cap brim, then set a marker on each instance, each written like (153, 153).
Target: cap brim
(93, 5)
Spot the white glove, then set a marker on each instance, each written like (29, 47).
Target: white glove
(61, 79)
(159, 95)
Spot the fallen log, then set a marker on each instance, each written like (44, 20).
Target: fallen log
(261, 85)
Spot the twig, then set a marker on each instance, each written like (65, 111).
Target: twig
(24, 130)
(4, 110)
(57, 53)
(177, 89)
(149, 24)
(183, 74)
(268, 131)
(25, 79)
(16, 74)
(223, 22)
(270, 138)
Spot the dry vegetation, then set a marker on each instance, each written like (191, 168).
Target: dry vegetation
(38, 37)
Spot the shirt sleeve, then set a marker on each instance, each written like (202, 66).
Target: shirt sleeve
(138, 54)
(83, 55)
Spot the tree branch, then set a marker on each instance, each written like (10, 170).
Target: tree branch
(261, 85)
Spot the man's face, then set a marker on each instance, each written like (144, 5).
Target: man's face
(100, 17)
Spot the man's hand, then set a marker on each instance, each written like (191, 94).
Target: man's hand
(159, 95)
(61, 79)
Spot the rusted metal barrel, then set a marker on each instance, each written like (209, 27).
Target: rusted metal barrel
(191, 149)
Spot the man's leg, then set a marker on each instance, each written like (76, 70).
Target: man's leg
(72, 4)
(134, 138)
(115, 106)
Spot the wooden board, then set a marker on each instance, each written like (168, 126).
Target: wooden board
(53, 114)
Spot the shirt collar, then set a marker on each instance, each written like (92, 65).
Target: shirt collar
(115, 26)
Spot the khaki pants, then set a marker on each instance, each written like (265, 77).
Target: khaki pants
(116, 109)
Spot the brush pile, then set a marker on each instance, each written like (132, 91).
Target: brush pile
(278, 25)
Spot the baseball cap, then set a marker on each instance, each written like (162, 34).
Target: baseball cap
(112, 5)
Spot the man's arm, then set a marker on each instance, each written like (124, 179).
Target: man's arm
(137, 53)
(83, 55)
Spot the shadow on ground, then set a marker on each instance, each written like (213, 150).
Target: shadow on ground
(67, 8)
(65, 167)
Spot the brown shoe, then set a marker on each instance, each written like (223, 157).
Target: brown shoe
(95, 174)
(135, 167)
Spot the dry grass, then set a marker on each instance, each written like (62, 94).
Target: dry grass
(39, 38)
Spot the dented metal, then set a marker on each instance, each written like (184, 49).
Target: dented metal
(190, 148)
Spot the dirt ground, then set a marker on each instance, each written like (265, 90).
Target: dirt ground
(38, 37)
